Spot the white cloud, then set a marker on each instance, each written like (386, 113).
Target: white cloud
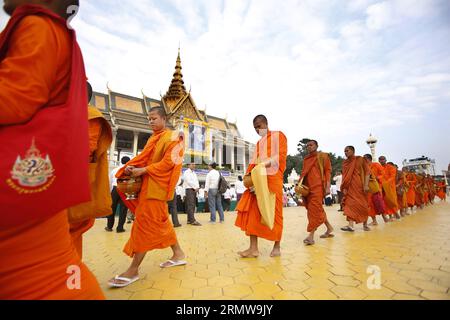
(380, 15)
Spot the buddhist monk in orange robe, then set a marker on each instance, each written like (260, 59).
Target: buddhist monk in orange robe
(159, 165)
(442, 194)
(100, 138)
(401, 192)
(316, 173)
(420, 191)
(355, 185)
(411, 181)
(389, 188)
(378, 171)
(38, 259)
(271, 150)
(426, 190)
(431, 189)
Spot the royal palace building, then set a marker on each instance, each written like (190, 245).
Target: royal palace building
(207, 138)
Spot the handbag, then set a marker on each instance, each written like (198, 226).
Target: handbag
(43, 169)
(301, 189)
(374, 186)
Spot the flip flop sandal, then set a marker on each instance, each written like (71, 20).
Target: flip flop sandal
(309, 242)
(348, 229)
(128, 281)
(327, 235)
(172, 263)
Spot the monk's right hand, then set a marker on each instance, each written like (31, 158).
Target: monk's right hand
(129, 170)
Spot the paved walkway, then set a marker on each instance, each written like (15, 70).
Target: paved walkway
(410, 259)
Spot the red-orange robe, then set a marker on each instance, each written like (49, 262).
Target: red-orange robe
(411, 189)
(78, 229)
(431, 188)
(389, 178)
(442, 194)
(317, 184)
(377, 173)
(162, 157)
(35, 257)
(401, 190)
(420, 190)
(355, 205)
(274, 146)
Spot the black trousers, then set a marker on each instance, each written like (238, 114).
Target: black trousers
(173, 210)
(116, 200)
(226, 204)
(190, 203)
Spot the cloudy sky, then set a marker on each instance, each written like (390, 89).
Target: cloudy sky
(334, 70)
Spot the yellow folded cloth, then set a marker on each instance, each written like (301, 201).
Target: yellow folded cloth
(265, 199)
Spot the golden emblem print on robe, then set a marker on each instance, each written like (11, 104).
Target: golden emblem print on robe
(32, 174)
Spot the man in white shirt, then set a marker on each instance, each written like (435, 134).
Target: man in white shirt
(240, 188)
(338, 180)
(334, 193)
(191, 186)
(173, 206)
(227, 199)
(212, 192)
(233, 193)
(116, 201)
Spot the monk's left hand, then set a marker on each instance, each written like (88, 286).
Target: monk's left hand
(137, 172)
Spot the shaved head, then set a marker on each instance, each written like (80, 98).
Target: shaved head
(89, 92)
(261, 125)
(160, 111)
(262, 118)
(60, 7)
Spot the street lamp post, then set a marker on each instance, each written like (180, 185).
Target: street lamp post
(372, 143)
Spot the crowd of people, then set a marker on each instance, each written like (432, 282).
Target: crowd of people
(45, 111)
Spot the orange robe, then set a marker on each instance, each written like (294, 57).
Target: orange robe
(35, 257)
(420, 190)
(411, 189)
(77, 229)
(274, 146)
(401, 190)
(389, 188)
(426, 190)
(316, 183)
(432, 190)
(355, 205)
(377, 173)
(162, 157)
(442, 190)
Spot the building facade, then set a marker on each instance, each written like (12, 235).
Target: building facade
(207, 138)
(422, 165)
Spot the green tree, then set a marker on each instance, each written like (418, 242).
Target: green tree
(301, 147)
(292, 162)
(297, 160)
(336, 164)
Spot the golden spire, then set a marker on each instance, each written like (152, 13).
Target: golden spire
(177, 89)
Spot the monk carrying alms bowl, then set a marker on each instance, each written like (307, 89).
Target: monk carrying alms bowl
(130, 186)
(248, 183)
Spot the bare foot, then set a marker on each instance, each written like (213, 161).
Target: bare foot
(250, 253)
(178, 256)
(276, 252)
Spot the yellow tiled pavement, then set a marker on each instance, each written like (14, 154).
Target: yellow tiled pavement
(413, 256)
